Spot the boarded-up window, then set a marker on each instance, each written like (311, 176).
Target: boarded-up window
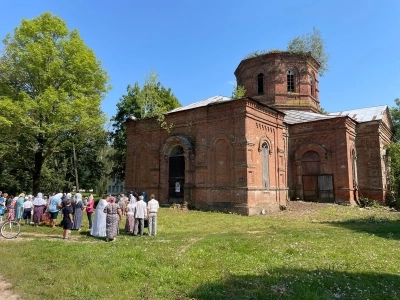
(265, 165)
(354, 168)
(222, 160)
(311, 163)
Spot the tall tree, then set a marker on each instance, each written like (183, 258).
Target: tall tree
(51, 87)
(151, 100)
(393, 198)
(311, 42)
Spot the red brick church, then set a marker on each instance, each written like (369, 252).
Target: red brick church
(252, 154)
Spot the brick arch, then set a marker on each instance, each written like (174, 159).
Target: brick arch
(172, 141)
(311, 147)
(268, 141)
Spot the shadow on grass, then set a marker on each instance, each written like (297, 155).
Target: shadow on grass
(380, 227)
(299, 284)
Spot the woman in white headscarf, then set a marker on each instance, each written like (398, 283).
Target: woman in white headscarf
(39, 206)
(79, 207)
(99, 223)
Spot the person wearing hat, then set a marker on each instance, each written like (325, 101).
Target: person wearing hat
(19, 209)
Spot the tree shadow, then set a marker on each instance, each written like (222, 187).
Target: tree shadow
(378, 226)
(287, 283)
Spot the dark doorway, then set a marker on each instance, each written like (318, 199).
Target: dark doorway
(176, 175)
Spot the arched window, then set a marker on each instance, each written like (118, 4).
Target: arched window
(260, 84)
(312, 84)
(265, 165)
(354, 168)
(290, 81)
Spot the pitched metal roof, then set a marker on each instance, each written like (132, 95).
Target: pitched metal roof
(201, 103)
(296, 117)
(363, 114)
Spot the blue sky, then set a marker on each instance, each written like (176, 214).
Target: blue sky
(196, 45)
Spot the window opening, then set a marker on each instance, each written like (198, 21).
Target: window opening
(290, 80)
(260, 84)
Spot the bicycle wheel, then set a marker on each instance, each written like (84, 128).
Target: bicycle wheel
(10, 229)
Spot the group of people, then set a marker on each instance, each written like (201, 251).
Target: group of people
(110, 211)
(43, 209)
(107, 215)
(18, 207)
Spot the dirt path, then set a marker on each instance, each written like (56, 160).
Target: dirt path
(6, 290)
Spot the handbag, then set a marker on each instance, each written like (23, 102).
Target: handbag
(146, 223)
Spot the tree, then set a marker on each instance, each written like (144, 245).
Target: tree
(393, 152)
(238, 92)
(51, 87)
(395, 116)
(152, 100)
(311, 42)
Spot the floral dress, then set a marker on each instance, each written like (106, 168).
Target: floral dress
(112, 220)
(11, 210)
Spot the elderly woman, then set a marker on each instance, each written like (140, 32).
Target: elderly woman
(78, 212)
(114, 215)
(130, 216)
(39, 206)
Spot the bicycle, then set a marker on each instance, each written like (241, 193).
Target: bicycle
(10, 229)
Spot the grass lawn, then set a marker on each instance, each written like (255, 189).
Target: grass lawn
(310, 251)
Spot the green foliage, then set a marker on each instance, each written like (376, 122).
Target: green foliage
(151, 100)
(395, 116)
(311, 42)
(238, 92)
(393, 153)
(323, 111)
(308, 254)
(51, 87)
(257, 53)
(365, 202)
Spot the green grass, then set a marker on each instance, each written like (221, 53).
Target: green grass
(338, 252)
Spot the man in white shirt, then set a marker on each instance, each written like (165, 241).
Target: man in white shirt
(140, 215)
(152, 210)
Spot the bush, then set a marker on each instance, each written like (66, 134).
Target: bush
(365, 202)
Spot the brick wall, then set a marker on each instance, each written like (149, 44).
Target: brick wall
(222, 153)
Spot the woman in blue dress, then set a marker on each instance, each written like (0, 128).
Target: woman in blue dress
(19, 209)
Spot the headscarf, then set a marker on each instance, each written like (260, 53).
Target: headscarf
(59, 195)
(38, 201)
(22, 195)
(78, 197)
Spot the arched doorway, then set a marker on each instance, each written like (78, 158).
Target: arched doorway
(176, 178)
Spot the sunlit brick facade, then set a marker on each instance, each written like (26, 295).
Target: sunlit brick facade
(251, 155)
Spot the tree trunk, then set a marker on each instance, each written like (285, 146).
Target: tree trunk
(76, 169)
(36, 176)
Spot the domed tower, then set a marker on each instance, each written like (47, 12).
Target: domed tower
(284, 80)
